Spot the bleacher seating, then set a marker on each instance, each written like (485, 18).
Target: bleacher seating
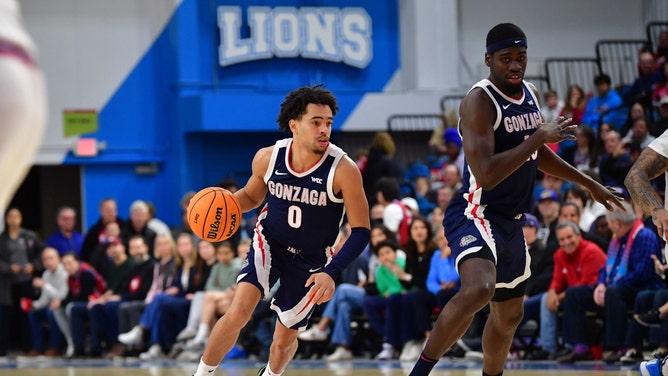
(619, 59)
(563, 72)
(653, 30)
(411, 133)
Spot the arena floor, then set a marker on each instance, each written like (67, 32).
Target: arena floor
(447, 367)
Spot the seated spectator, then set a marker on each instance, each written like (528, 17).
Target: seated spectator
(215, 299)
(575, 104)
(541, 269)
(636, 110)
(183, 226)
(53, 287)
(84, 284)
(191, 274)
(384, 310)
(615, 163)
(581, 154)
(605, 107)
(133, 286)
(66, 238)
(646, 312)
(97, 233)
(576, 263)
(590, 209)
(548, 209)
(396, 216)
(628, 269)
(138, 225)
(648, 76)
(99, 259)
(639, 133)
(380, 164)
(571, 212)
(129, 312)
(443, 280)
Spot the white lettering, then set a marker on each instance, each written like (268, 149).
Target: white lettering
(325, 33)
(297, 194)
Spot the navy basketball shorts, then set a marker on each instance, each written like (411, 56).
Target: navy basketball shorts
(497, 239)
(267, 262)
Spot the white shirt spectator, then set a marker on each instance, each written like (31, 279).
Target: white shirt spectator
(55, 287)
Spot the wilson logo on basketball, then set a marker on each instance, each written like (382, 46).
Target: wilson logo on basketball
(215, 226)
(233, 225)
(196, 218)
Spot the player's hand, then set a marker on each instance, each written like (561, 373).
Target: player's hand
(322, 288)
(599, 295)
(558, 130)
(608, 196)
(660, 219)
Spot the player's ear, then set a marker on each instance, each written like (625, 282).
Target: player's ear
(488, 59)
(293, 125)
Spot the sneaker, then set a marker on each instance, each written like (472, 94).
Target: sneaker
(652, 367)
(387, 353)
(69, 353)
(261, 371)
(236, 353)
(659, 353)
(650, 319)
(341, 353)
(186, 334)
(189, 356)
(154, 353)
(313, 334)
(193, 344)
(632, 356)
(411, 351)
(134, 337)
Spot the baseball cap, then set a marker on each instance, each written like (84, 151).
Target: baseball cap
(664, 100)
(410, 203)
(531, 221)
(548, 194)
(452, 135)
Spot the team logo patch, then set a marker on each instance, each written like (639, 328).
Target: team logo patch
(466, 240)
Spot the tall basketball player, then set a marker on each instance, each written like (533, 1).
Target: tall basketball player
(504, 139)
(22, 101)
(309, 184)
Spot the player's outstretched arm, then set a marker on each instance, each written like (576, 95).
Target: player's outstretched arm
(649, 165)
(478, 116)
(552, 164)
(255, 190)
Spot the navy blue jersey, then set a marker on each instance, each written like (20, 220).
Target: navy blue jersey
(302, 213)
(516, 120)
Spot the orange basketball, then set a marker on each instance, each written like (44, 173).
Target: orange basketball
(214, 214)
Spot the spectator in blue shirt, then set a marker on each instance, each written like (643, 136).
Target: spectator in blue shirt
(66, 238)
(606, 107)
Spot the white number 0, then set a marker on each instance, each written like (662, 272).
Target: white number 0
(534, 155)
(295, 216)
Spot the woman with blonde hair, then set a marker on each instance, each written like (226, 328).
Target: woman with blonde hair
(380, 163)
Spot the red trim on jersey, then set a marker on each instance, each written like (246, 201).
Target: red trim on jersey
(475, 209)
(259, 237)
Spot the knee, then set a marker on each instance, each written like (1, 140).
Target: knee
(477, 294)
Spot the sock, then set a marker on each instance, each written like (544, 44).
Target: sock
(204, 369)
(202, 333)
(269, 372)
(423, 366)
(580, 348)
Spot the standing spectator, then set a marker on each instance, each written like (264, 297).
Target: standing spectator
(20, 252)
(96, 233)
(66, 238)
(53, 287)
(575, 104)
(380, 163)
(606, 107)
(138, 225)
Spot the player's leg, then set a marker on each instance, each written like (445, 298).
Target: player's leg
(283, 348)
(226, 331)
(22, 121)
(498, 335)
(478, 279)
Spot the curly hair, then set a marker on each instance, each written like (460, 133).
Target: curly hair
(295, 103)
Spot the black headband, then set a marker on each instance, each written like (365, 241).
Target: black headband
(505, 43)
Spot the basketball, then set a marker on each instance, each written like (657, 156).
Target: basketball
(214, 214)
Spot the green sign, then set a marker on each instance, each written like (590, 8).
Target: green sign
(77, 122)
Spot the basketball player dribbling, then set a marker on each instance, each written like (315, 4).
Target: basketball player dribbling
(309, 184)
(504, 139)
(22, 101)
